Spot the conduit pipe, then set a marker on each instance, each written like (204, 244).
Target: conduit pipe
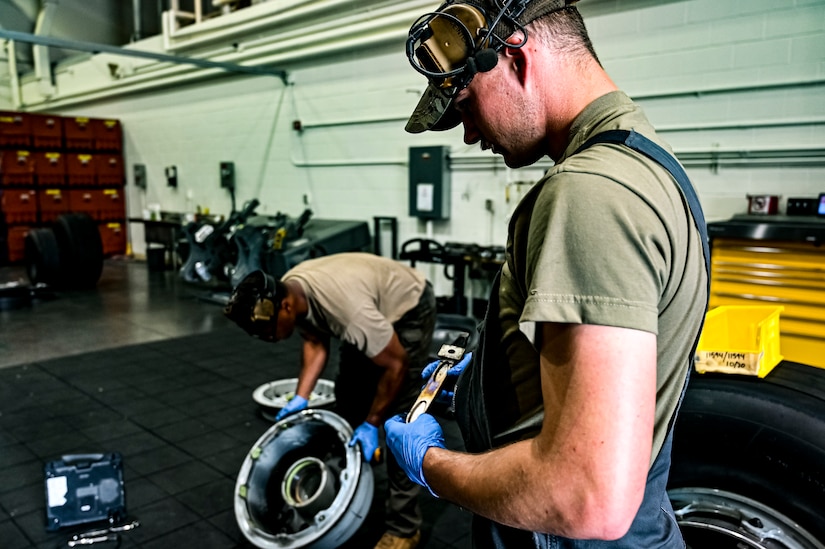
(259, 19)
(388, 37)
(251, 19)
(285, 48)
(169, 77)
(137, 21)
(352, 25)
(661, 128)
(286, 41)
(14, 78)
(731, 158)
(134, 52)
(717, 90)
(42, 63)
(387, 25)
(176, 75)
(740, 125)
(118, 88)
(347, 163)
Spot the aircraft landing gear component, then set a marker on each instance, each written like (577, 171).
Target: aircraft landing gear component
(302, 485)
(274, 395)
(308, 487)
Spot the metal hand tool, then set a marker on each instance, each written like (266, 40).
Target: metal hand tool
(449, 356)
(91, 537)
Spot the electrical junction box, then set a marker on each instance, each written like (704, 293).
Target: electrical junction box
(429, 182)
(228, 175)
(140, 176)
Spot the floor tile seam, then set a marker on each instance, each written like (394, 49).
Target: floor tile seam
(96, 398)
(166, 442)
(194, 510)
(24, 531)
(176, 495)
(174, 445)
(93, 395)
(153, 538)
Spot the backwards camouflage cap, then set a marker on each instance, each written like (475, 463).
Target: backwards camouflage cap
(434, 110)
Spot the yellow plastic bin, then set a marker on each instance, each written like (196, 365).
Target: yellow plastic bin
(740, 340)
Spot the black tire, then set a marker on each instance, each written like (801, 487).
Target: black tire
(42, 256)
(81, 250)
(749, 460)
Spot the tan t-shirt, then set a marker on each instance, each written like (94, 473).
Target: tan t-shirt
(356, 297)
(606, 238)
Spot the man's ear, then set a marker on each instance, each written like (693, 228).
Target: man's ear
(517, 60)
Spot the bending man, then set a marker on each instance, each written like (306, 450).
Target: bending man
(383, 312)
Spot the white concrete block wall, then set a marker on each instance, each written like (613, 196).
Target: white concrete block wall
(714, 75)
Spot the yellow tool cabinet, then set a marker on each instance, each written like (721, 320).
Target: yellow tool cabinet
(779, 261)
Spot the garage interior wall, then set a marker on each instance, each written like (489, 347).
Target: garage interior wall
(736, 87)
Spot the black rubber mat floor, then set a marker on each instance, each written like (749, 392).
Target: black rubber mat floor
(180, 412)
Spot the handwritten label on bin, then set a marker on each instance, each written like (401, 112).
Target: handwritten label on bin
(728, 362)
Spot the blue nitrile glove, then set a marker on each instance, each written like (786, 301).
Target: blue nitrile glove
(366, 435)
(445, 395)
(408, 442)
(295, 404)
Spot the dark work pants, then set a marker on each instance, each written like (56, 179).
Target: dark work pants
(355, 389)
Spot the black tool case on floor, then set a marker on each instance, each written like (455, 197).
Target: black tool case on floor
(83, 488)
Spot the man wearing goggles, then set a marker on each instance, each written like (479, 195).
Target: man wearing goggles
(567, 407)
(383, 312)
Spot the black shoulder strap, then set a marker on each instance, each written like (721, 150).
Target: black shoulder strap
(645, 146)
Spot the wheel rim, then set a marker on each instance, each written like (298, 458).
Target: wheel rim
(274, 395)
(302, 485)
(716, 518)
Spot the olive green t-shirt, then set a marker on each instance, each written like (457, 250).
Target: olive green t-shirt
(356, 297)
(606, 238)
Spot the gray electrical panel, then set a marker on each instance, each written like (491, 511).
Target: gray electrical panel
(430, 182)
(228, 175)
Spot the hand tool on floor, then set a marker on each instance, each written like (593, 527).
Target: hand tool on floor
(449, 356)
(91, 537)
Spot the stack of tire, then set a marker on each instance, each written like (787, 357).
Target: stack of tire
(68, 255)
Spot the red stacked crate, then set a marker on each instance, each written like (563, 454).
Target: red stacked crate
(113, 235)
(15, 130)
(111, 205)
(50, 169)
(85, 201)
(47, 131)
(16, 168)
(17, 194)
(109, 170)
(111, 175)
(17, 242)
(78, 133)
(108, 135)
(19, 205)
(81, 170)
(52, 203)
(51, 165)
(19, 213)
